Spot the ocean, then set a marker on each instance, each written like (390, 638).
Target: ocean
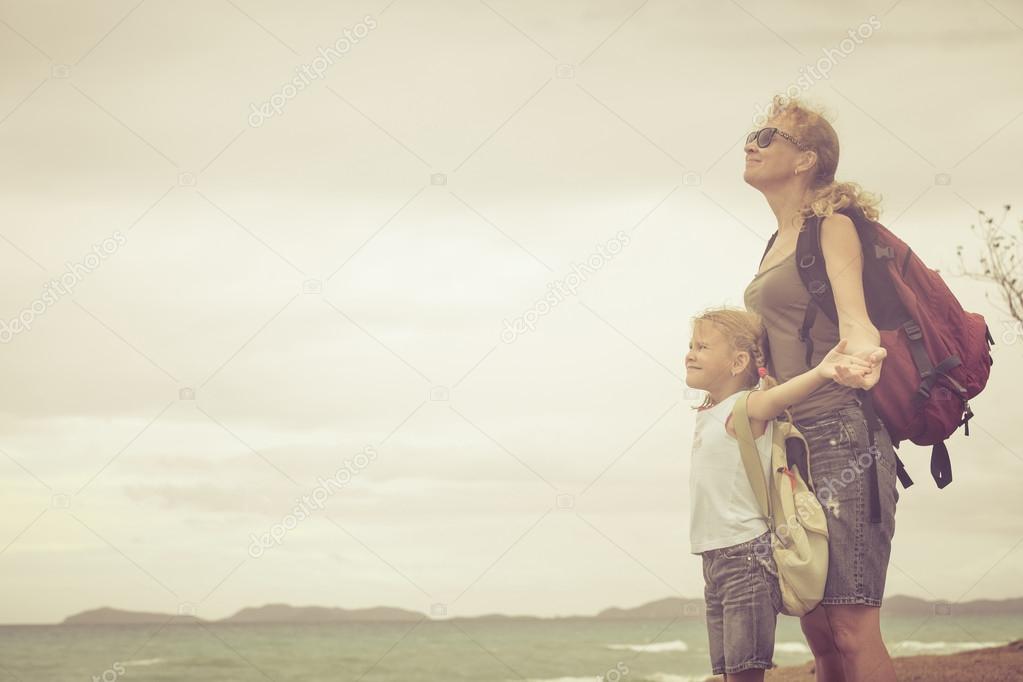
(563, 650)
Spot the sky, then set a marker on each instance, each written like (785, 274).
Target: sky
(411, 334)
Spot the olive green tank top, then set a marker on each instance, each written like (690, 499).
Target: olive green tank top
(779, 297)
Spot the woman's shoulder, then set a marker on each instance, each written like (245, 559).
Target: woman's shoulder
(838, 230)
(838, 221)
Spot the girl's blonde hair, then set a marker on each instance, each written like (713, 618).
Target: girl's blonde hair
(815, 133)
(745, 333)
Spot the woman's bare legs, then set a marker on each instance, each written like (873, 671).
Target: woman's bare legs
(857, 636)
(826, 656)
(846, 643)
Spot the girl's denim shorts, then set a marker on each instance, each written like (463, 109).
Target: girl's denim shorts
(840, 455)
(743, 599)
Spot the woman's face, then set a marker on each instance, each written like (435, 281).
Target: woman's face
(775, 163)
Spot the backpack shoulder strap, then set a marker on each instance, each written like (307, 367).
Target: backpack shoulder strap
(814, 274)
(770, 243)
(812, 268)
(750, 456)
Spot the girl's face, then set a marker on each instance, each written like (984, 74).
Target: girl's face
(711, 359)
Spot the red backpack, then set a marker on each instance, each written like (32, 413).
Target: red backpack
(939, 355)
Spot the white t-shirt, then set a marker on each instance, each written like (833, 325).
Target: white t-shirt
(723, 509)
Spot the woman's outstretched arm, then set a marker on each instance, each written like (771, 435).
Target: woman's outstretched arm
(843, 257)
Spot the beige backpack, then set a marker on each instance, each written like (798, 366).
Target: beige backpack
(799, 529)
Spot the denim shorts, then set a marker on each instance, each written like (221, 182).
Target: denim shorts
(858, 550)
(743, 601)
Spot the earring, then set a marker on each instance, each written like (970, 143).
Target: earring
(795, 172)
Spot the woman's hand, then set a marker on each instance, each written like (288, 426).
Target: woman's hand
(874, 357)
(848, 369)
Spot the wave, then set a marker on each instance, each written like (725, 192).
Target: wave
(941, 647)
(656, 647)
(143, 661)
(656, 677)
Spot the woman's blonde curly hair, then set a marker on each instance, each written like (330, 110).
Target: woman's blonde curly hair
(745, 332)
(814, 131)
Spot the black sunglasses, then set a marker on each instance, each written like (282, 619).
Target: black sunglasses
(765, 135)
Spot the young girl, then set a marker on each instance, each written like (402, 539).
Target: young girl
(727, 356)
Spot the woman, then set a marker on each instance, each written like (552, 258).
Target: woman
(794, 166)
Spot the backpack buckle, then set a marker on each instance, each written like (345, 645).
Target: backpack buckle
(883, 251)
(913, 330)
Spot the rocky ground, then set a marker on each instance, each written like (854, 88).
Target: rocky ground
(1000, 664)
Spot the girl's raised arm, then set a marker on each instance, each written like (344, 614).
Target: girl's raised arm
(768, 404)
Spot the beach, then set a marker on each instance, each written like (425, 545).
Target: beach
(996, 664)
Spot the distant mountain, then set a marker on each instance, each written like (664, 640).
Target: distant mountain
(108, 616)
(668, 608)
(897, 605)
(506, 617)
(284, 613)
(912, 606)
(271, 613)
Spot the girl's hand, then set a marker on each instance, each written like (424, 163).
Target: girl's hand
(842, 367)
(874, 356)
